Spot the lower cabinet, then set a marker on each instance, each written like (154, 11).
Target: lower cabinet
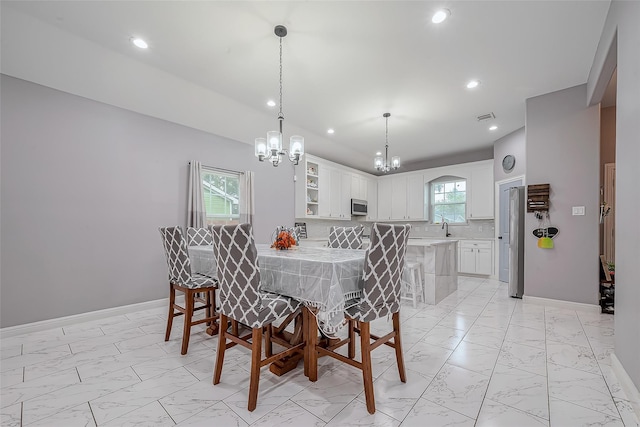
(476, 257)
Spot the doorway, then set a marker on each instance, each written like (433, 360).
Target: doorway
(503, 227)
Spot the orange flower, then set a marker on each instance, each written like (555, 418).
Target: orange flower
(284, 241)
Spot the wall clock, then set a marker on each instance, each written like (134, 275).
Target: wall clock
(508, 162)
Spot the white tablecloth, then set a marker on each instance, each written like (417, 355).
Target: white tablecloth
(322, 278)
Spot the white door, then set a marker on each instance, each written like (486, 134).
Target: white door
(503, 235)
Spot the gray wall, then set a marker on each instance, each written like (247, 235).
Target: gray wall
(455, 159)
(622, 25)
(513, 144)
(562, 149)
(85, 187)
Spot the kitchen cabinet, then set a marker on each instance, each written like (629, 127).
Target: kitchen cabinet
(359, 186)
(324, 192)
(476, 257)
(415, 197)
(306, 191)
(384, 199)
(340, 197)
(481, 194)
(372, 200)
(401, 198)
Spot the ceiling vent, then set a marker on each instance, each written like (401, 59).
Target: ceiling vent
(486, 117)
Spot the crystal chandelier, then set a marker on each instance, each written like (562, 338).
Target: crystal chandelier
(270, 148)
(381, 164)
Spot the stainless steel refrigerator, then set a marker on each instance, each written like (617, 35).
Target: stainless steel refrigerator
(516, 241)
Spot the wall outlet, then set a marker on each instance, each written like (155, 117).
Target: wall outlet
(480, 229)
(577, 210)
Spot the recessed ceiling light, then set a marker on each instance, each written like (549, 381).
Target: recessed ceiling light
(473, 84)
(140, 43)
(494, 127)
(271, 103)
(379, 153)
(440, 16)
(331, 131)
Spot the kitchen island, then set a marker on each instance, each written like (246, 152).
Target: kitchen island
(439, 259)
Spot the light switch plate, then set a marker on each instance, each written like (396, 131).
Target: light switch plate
(577, 210)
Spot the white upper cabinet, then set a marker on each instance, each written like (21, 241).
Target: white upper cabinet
(384, 199)
(401, 197)
(415, 197)
(359, 185)
(482, 187)
(324, 192)
(372, 199)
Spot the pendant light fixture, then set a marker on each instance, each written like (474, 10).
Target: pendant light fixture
(270, 148)
(382, 164)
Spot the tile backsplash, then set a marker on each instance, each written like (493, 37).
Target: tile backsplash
(319, 228)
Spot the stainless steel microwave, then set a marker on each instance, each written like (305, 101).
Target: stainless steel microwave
(358, 207)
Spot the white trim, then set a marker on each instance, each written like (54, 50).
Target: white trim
(627, 384)
(27, 328)
(569, 305)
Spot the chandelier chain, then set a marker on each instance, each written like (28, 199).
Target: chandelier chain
(280, 114)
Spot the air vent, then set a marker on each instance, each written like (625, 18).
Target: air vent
(486, 117)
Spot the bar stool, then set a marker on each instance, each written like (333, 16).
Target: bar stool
(412, 282)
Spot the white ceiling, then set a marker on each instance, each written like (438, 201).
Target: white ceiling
(345, 64)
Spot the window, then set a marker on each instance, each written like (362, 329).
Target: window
(449, 200)
(221, 192)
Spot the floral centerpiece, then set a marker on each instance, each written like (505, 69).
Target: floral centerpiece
(284, 240)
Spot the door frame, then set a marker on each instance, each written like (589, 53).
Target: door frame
(496, 209)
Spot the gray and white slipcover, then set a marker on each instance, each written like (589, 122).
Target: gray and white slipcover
(199, 237)
(175, 250)
(383, 268)
(345, 237)
(239, 279)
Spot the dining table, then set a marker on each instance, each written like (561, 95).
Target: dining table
(325, 280)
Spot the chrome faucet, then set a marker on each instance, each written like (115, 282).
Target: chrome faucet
(445, 227)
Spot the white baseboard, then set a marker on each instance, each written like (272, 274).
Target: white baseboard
(13, 331)
(593, 308)
(627, 384)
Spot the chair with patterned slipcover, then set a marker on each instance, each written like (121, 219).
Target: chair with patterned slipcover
(242, 302)
(199, 236)
(181, 279)
(383, 268)
(345, 237)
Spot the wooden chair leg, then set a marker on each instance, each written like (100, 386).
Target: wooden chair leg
(367, 372)
(268, 345)
(212, 326)
(222, 345)
(234, 327)
(398, 346)
(352, 339)
(256, 356)
(188, 299)
(208, 312)
(172, 301)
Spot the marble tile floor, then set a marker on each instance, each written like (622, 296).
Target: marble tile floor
(478, 358)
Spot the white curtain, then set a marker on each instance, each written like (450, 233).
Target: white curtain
(196, 215)
(247, 200)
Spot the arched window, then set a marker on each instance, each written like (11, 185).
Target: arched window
(448, 199)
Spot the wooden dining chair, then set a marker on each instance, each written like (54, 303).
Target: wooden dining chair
(345, 237)
(199, 236)
(181, 279)
(242, 302)
(383, 268)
